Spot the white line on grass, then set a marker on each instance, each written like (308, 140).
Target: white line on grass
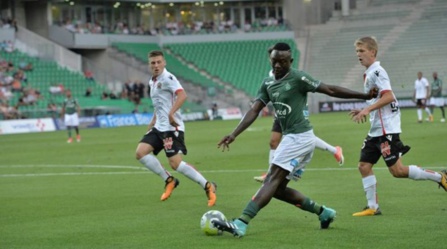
(69, 166)
(143, 170)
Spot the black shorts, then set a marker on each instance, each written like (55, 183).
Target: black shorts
(389, 146)
(421, 102)
(172, 142)
(276, 125)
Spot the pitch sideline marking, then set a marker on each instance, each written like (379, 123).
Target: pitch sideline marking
(143, 170)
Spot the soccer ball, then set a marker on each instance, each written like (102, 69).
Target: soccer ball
(207, 226)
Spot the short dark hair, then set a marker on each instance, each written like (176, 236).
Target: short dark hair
(155, 53)
(281, 46)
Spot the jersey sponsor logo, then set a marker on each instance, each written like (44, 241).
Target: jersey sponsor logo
(313, 83)
(267, 83)
(282, 109)
(167, 143)
(385, 148)
(275, 95)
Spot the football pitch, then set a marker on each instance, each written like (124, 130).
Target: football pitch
(95, 194)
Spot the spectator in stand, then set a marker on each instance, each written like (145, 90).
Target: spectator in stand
(16, 85)
(123, 94)
(89, 75)
(20, 75)
(5, 94)
(140, 87)
(52, 110)
(56, 88)
(8, 46)
(29, 97)
(104, 95)
(25, 66)
(113, 96)
(9, 112)
(88, 92)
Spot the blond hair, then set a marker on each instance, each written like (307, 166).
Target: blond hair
(370, 42)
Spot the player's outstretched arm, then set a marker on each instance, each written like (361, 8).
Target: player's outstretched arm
(359, 116)
(345, 93)
(245, 122)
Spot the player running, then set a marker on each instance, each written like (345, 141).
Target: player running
(383, 138)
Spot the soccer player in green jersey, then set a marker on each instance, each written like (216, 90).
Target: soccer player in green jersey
(287, 90)
(70, 115)
(276, 135)
(436, 98)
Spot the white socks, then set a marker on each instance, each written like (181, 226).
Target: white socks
(320, 144)
(152, 163)
(417, 173)
(369, 185)
(190, 172)
(427, 110)
(419, 114)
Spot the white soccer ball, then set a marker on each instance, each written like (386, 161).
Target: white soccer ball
(207, 226)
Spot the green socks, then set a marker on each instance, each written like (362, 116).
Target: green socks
(311, 206)
(250, 211)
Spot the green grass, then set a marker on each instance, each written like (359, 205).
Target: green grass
(94, 194)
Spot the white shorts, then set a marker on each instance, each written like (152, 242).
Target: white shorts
(71, 119)
(436, 101)
(294, 152)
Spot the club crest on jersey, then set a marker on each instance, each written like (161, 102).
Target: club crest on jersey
(159, 85)
(287, 87)
(167, 143)
(385, 149)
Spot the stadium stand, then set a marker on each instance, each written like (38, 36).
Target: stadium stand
(141, 50)
(47, 76)
(245, 61)
(410, 33)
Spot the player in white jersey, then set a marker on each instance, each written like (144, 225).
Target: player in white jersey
(421, 96)
(383, 136)
(166, 130)
(276, 136)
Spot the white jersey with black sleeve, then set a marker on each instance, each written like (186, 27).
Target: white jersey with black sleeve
(385, 120)
(163, 95)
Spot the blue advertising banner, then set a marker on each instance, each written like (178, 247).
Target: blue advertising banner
(117, 120)
(84, 122)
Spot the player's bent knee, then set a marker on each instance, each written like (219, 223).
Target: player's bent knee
(139, 155)
(175, 161)
(398, 173)
(365, 168)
